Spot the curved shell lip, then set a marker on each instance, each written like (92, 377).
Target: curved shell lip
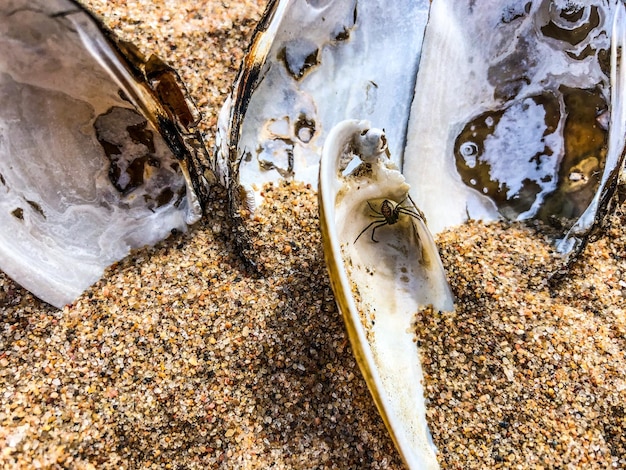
(234, 108)
(377, 314)
(147, 87)
(155, 88)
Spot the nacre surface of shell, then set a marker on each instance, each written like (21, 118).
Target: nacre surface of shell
(311, 65)
(529, 123)
(384, 267)
(512, 105)
(91, 159)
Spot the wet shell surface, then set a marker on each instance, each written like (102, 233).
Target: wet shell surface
(516, 112)
(384, 267)
(530, 126)
(93, 143)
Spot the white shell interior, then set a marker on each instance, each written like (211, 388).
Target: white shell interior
(504, 60)
(481, 106)
(381, 284)
(328, 61)
(480, 102)
(63, 220)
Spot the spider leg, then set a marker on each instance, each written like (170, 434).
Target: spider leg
(416, 214)
(365, 229)
(372, 207)
(380, 224)
(422, 216)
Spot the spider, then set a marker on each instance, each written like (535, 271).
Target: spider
(389, 214)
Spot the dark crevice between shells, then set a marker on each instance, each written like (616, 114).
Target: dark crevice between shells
(247, 81)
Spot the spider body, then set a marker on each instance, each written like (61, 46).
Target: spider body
(388, 215)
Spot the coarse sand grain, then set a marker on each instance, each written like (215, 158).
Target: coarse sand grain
(528, 371)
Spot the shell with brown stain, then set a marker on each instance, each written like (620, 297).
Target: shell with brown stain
(96, 147)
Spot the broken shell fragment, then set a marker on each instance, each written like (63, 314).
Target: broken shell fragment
(381, 278)
(95, 147)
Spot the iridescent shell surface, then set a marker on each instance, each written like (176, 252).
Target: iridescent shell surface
(490, 110)
(531, 125)
(93, 144)
(312, 64)
(384, 267)
(509, 110)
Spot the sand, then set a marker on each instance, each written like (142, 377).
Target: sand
(182, 358)
(529, 371)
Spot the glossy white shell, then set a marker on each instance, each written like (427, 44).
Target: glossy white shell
(312, 64)
(381, 279)
(533, 77)
(516, 111)
(529, 123)
(85, 175)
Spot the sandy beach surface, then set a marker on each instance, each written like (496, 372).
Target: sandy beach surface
(181, 358)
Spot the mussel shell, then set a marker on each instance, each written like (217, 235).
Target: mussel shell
(512, 108)
(312, 64)
(94, 144)
(516, 112)
(527, 124)
(384, 267)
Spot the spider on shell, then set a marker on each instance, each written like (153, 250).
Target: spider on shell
(389, 214)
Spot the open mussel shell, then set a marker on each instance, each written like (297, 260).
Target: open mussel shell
(95, 142)
(312, 64)
(528, 124)
(500, 110)
(491, 110)
(384, 266)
